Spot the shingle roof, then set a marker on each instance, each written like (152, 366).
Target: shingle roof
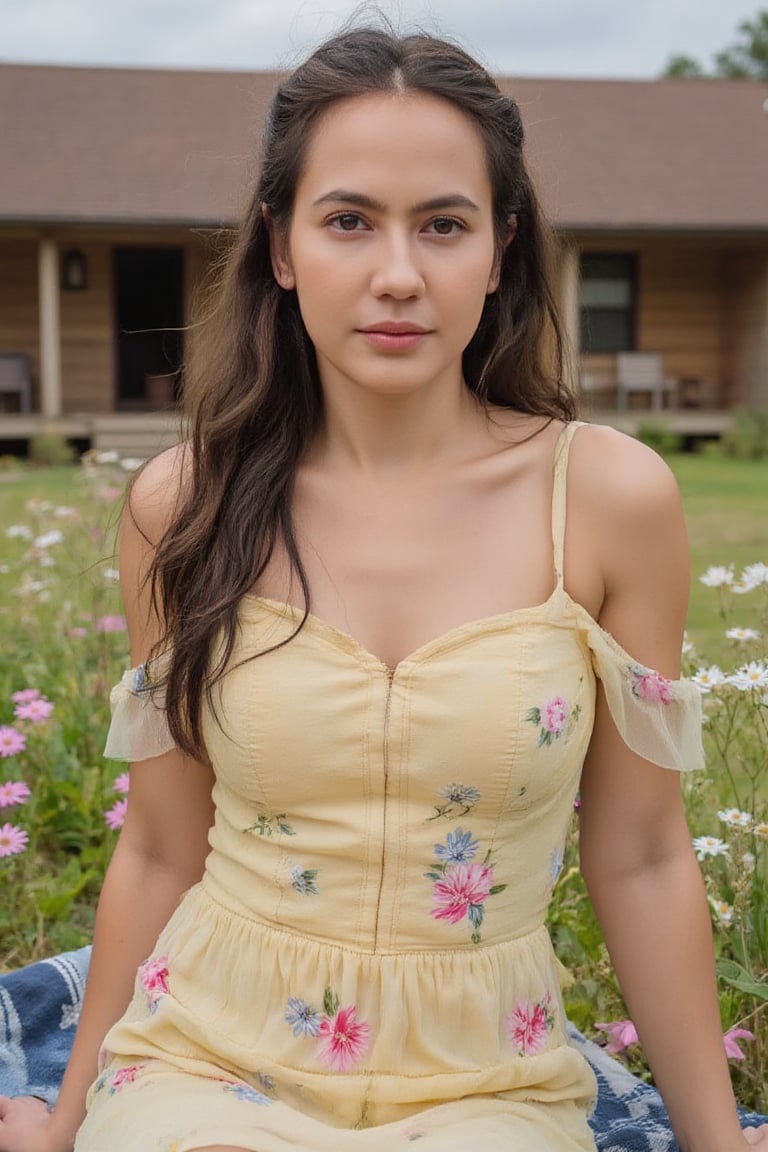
(145, 147)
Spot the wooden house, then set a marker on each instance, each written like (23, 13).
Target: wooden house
(116, 184)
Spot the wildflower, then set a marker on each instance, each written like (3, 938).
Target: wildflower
(48, 539)
(761, 830)
(115, 816)
(37, 710)
(343, 1040)
(111, 573)
(717, 576)
(62, 512)
(19, 532)
(730, 1038)
(107, 457)
(464, 887)
(622, 1034)
(748, 862)
(130, 463)
(723, 911)
(12, 840)
(752, 675)
(111, 624)
(122, 783)
(742, 634)
(303, 1019)
(752, 577)
(11, 741)
(109, 494)
(688, 645)
(78, 632)
(13, 792)
(459, 847)
(736, 818)
(709, 846)
(25, 695)
(708, 678)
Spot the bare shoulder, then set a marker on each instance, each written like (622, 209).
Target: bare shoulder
(621, 477)
(156, 491)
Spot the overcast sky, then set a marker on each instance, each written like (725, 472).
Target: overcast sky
(515, 37)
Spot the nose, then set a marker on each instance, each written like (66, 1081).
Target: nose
(397, 272)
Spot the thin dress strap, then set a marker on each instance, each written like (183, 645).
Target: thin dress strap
(562, 450)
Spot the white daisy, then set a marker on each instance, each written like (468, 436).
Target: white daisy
(717, 576)
(19, 532)
(752, 675)
(48, 539)
(723, 912)
(709, 846)
(735, 818)
(706, 679)
(742, 634)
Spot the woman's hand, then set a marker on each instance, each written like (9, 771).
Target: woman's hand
(26, 1125)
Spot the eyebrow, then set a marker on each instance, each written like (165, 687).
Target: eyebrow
(439, 203)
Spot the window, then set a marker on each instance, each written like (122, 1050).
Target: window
(607, 302)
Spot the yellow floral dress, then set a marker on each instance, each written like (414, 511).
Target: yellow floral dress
(365, 963)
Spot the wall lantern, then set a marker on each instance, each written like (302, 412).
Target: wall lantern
(74, 271)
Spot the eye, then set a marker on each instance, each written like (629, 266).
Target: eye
(447, 226)
(346, 221)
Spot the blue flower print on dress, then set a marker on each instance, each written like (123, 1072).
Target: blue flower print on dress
(459, 847)
(458, 800)
(245, 1092)
(141, 679)
(303, 880)
(556, 861)
(304, 1020)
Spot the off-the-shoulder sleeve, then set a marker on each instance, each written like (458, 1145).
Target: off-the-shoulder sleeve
(659, 719)
(139, 728)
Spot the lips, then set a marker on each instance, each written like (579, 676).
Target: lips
(396, 328)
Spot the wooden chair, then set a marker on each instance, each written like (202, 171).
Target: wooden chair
(643, 372)
(15, 378)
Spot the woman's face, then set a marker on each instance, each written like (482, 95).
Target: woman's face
(392, 225)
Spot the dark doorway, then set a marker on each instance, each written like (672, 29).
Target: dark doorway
(149, 297)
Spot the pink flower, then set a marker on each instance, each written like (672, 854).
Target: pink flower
(111, 624)
(36, 710)
(153, 977)
(651, 686)
(554, 716)
(342, 1040)
(124, 1076)
(622, 1033)
(78, 632)
(11, 741)
(25, 695)
(13, 792)
(461, 886)
(122, 783)
(115, 817)
(528, 1026)
(12, 840)
(731, 1047)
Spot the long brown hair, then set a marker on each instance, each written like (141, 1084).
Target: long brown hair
(252, 391)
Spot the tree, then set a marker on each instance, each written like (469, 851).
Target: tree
(747, 59)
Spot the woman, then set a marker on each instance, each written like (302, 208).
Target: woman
(364, 644)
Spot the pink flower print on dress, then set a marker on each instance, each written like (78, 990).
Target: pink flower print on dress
(555, 719)
(650, 686)
(153, 977)
(461, 887)
(343, 1040)
(529, 1025)
(124, 1076)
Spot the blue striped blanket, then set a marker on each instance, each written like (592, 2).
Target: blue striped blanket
(40, 1007)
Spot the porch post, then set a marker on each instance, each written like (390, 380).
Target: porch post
(50, 327)
(569, 308)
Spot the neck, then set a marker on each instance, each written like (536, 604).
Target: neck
(375, 434)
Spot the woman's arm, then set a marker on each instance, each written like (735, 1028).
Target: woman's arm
(636, 852)
(159, 855)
